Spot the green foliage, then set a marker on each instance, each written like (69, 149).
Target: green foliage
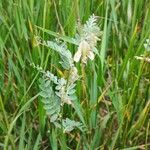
(91, 27)
(51, 102)
(65, 54)
(112, 101)
(52, 105)
(1, 74)
(64, 91)
(69, 125)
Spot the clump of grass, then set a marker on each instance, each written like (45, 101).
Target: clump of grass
(112, 91)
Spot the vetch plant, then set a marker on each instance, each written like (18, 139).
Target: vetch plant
(87, 38)
(54, 99)
(57, 91)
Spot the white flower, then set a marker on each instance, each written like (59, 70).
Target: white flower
(146, 59)
(64, 97)
(92, 39)
(73, 75)
(147, 44)
(67, 100)
(89, 35)
(84, 52)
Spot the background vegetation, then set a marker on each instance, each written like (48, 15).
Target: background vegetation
(116, 109)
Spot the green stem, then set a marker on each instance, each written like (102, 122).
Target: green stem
(84, 89)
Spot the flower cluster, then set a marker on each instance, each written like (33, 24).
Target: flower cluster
(89, 36)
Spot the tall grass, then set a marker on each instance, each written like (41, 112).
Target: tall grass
(116, 109)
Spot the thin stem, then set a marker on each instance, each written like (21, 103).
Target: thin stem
(57, 16)
(85, 95)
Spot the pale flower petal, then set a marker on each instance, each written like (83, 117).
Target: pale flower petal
(147, 45)
(147, 40)
(92, 40)
(73, 75)
(77, 55)
(85, 48)
(91, 55)
(67, 101)
(84, 51)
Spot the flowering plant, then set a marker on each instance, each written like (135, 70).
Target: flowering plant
(56, 91)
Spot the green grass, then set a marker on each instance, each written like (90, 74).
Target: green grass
(116, 110)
